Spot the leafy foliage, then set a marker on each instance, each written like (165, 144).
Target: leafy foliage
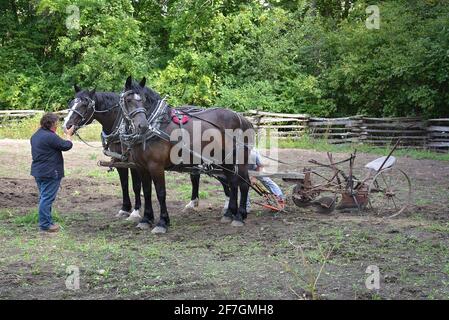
(302, 56)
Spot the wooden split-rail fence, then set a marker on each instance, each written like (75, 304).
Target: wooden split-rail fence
(414, 132)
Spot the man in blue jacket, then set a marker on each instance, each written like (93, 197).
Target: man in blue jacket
(48, 166)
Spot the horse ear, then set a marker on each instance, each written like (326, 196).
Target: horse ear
(128, 82)
(77, 89)
(143, 81)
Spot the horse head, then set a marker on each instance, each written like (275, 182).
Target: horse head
(132, 104)
(81, 109)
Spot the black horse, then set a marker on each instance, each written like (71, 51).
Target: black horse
(150, 128)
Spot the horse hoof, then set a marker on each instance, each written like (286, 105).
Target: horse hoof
(225, 219)
(134, 216)
(236, 223)
(158, 230)
(122, 214)
(143, 226)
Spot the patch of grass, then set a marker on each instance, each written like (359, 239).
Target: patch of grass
(376, 296)
(306, 142)
(436, 227)
(203, 194)
(446, 268)
(23, 129)
(32, 217)
(111, 176)
(184, 191)
(5, 214)
(308, 271)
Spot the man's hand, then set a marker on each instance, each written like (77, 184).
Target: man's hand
(69, 133)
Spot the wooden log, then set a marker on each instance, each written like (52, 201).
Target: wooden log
(393, 119)
(439, 120)
(281, 127)
(331, 119)
(116, 164)
(289, 133)
(438, 128)
(417, 131)
(438, 134)
(16, 116)
(280, 175)
(333, 122)
(411, 125)
(276, 120)
(438, 144)
(321, 129)
(337, 141)
(391, 142)
(386, 137)
(20, 111)
(331, 134)
(289, 137)
(288, 115)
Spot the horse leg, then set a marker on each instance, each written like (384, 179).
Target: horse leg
(148, 214)
(158, 176)
(244, 188)
(195, 179)
(233, 194)
(126, 204)
(137, 187)
(227, 192)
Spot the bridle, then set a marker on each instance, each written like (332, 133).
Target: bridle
(130, 115)
(84, 118)
(91, 106)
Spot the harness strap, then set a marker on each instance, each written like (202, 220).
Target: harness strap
(86, 143)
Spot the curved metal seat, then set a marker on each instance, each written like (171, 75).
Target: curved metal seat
(376, 164)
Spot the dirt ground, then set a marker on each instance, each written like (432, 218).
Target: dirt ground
(200, 258)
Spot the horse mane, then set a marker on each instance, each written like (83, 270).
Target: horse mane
(106, 100)
(150, 95)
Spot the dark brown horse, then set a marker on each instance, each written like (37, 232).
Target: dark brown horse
(150, 133)
(104, 107)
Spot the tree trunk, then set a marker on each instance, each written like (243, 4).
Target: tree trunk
(346, 8)
(313, 8)
(13, 6)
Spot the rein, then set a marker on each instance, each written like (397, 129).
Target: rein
(85, 142)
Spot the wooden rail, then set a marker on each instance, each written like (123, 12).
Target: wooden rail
(438, 134)
(7, 115)
(414, 132)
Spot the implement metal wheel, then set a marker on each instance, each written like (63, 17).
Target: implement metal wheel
(299, 199)
(390, 192)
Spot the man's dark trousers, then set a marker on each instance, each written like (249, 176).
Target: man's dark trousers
(48, 188)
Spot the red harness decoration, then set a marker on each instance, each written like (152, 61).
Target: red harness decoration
(178, 117)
